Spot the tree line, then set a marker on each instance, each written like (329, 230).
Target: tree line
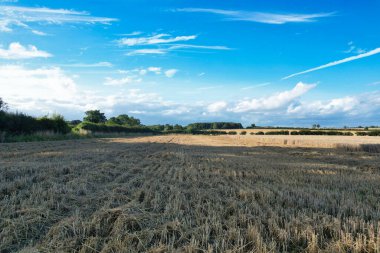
(95, 121)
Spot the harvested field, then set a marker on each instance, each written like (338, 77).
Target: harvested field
(190, 194)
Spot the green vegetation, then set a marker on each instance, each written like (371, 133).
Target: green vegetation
(282, 132)
(105, 128)
(124, 120)
(320, 132)
(14, 125)
(369, 133)
(95, 116)
(215, 125)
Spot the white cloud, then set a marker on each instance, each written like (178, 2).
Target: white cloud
(155, 39)
(171, 73)
(22, 16)
(334, 106)
(142, 72)
(216, 107)
(261, 17)
(155, 70)
(20, 84)
(46, 90)
(331, 64)
(119, 82)
(274, 102)
(17, 51)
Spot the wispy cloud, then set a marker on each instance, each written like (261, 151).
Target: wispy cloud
(17, 51)
(171, 73)
(255, 86)
(147, 51)
(39, 33)
(11, 16)
(162, 51)
(163, 43)
(331, 64)
(354, 49)
(89, 65)
(184, 46)
(374, 83)
(155, 39)
(261, 17)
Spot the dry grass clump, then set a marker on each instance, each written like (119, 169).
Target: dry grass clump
(102, 196)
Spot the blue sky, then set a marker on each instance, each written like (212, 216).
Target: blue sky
(292, 63)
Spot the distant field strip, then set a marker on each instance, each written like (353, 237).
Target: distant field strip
(255, 140)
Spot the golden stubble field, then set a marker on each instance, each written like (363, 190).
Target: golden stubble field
(189, 194)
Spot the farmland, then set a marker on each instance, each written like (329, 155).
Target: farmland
(185, 193)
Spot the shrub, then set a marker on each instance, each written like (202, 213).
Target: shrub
(21, 124)
(282, 132)
(232, 133)
(215, 125)
(319, 132)
(260, 133)
(243, 133)
(103, 128)
(369, 133)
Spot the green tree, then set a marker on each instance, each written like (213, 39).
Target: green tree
(178, 127)
(168, 127)
(124, 119)
(95, 116)
(3, 105)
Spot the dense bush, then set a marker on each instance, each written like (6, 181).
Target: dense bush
(210, 132)
(243, 133)
(260, 133)
(320, 132)
(124, 120)
(95, 116)
(103, 128)
(19, 124)
(232, 133)
(369, 133)
(215, 125)
(282, 132)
